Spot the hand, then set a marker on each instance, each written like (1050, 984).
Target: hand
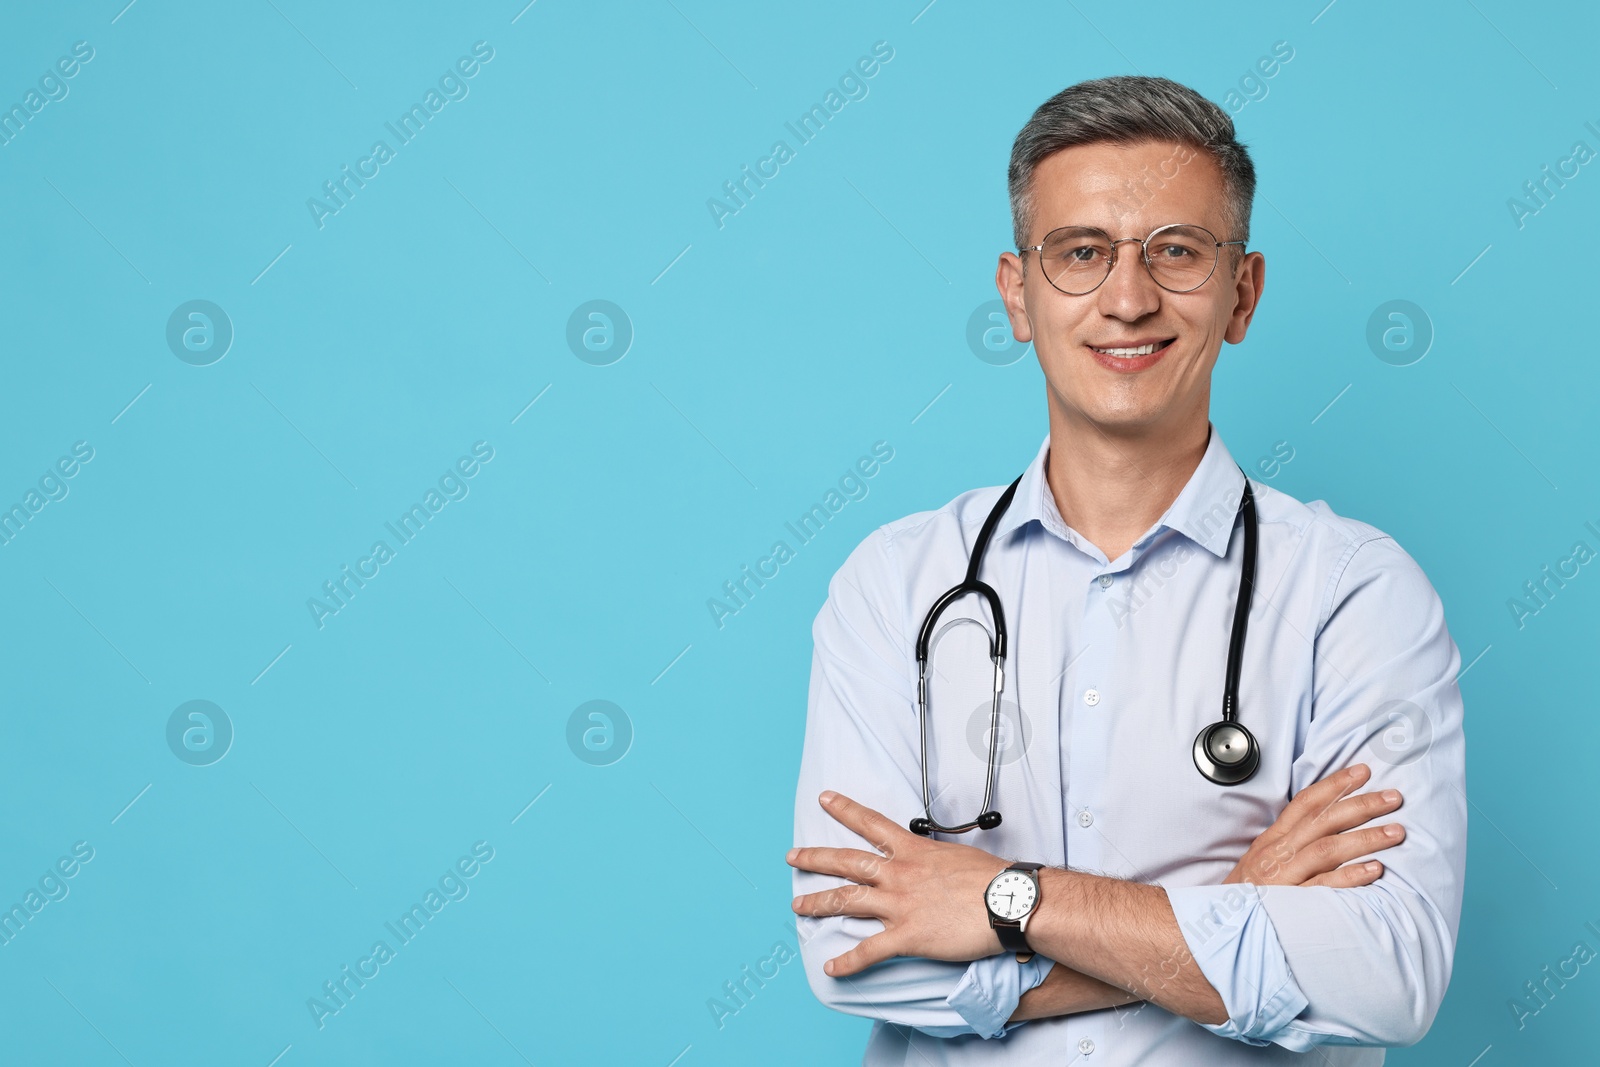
(928, 894)
(1314, 836)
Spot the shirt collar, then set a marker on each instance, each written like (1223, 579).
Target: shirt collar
(1203, 512)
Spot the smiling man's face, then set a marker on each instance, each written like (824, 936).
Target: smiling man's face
(1164, 391)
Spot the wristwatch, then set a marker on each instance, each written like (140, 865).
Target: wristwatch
(1011, 899)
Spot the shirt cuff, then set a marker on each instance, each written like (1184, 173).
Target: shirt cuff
(988, 993)
(1233, 941)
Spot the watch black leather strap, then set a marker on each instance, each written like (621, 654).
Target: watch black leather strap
(1009, 931)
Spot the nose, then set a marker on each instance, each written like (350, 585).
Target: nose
(1129, 292)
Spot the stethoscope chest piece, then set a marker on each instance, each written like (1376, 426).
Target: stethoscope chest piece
(1226, 753)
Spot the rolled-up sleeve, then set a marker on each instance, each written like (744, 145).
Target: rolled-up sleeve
(988, 993)
(1235, 946)
(861, 740)
(1304, 966)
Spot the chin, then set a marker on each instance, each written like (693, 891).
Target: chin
(1124, 413)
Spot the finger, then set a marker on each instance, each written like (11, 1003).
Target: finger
(1349, 876)
(851, 863)
(1300, 824)
(881, 832)
(874, 949)
(1352, 811)
(1321, 795)
(1326, 853)
(844, 900)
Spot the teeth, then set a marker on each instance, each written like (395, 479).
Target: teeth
(1142, 350)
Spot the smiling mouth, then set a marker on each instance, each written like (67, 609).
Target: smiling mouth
(1132, 353)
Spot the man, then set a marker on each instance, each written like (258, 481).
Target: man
(1180, 918)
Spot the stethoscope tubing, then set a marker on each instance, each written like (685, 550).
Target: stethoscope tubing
(1221, 769)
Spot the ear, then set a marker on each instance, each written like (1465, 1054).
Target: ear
(1252, 279)
(1008, 279)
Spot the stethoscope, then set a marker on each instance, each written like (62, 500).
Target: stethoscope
(1225, 752)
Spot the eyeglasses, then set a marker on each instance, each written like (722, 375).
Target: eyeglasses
(1180, 258)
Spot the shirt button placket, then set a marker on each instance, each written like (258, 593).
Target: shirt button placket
(1090, 720)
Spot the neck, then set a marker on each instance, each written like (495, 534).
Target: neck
(1111, 487)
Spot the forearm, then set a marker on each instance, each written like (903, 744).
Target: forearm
(1065, 991)
(1125, 935)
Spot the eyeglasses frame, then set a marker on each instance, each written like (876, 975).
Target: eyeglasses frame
(1144, 255)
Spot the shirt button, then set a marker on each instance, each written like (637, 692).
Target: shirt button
(1091, 697)
(1105, 581)
(1085, 818)
(1086, 1046)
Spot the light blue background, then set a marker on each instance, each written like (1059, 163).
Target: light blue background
(825, 316)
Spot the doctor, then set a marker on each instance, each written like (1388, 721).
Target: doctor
(1149, 895)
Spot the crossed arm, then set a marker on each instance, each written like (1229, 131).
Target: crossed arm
(1113, 942)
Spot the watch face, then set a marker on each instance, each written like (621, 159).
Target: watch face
(1011, 895)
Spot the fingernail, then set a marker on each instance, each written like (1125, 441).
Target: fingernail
(1354, 772)
(827, 968)
(1391, 795)
(788, 857)
(1392, 830)
(828, 796)
(1374, 868)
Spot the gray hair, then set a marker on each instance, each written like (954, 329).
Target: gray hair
(1125, 109)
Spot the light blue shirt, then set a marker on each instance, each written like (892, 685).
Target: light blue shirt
(1116, 666)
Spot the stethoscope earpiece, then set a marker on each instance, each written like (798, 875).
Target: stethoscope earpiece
(922, 827)
(1226, 753)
